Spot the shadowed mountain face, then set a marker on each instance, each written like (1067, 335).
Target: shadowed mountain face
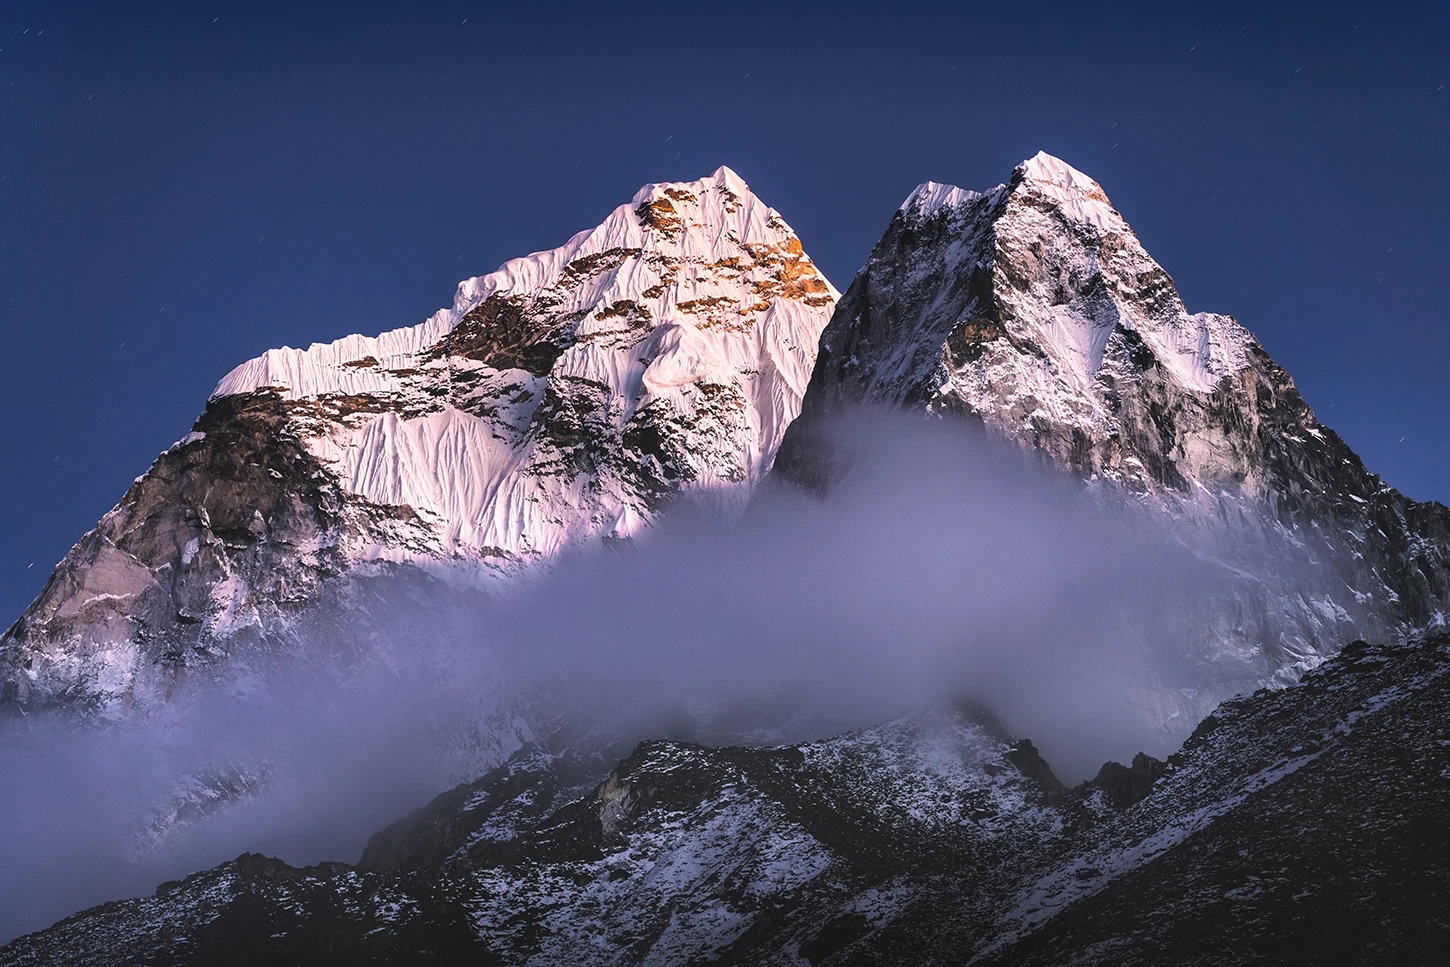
(564, 401)
(1295, 826)
(1033, 310)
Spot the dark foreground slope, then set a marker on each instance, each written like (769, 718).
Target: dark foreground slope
(1307, 825)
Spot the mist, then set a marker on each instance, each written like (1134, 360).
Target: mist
(940, 567)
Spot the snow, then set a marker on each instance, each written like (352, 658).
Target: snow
(1081, 199)
(670, 872)
(1085, 352)
(725, 226)
(928, 198)
(728, 299)
(1198, 350)
(1055, 228)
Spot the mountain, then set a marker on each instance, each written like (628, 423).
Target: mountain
(1302, 821)
(1297, 825)
(569, 397)
(564, 400)
(1033, 310)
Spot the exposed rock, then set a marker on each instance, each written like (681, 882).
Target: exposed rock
(1124, 785)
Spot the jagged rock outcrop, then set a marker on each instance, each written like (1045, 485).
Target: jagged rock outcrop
(1296, 825)
(564, 400)
(1034, 310)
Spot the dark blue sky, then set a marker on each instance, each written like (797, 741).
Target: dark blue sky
(182, 187)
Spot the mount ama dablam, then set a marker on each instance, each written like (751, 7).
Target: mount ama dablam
(688, 347)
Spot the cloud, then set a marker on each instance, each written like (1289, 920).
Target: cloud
(941, 566)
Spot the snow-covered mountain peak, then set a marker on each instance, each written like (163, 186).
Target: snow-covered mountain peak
(722, 179)
(689, 285)
(1050, 169)
(1077, 274)
(1046, 260)
(564, 399)
(705, 224)
(1043, 178)
(1035, 310)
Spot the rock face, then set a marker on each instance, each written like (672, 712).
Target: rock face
(564, 400)
(1304, 823)
(1033, 309)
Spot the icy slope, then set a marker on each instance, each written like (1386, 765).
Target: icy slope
(565, 399)
(1033, 309)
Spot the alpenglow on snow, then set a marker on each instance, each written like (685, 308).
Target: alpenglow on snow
(565, 399)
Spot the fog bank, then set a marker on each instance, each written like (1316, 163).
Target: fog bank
(941, 567)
